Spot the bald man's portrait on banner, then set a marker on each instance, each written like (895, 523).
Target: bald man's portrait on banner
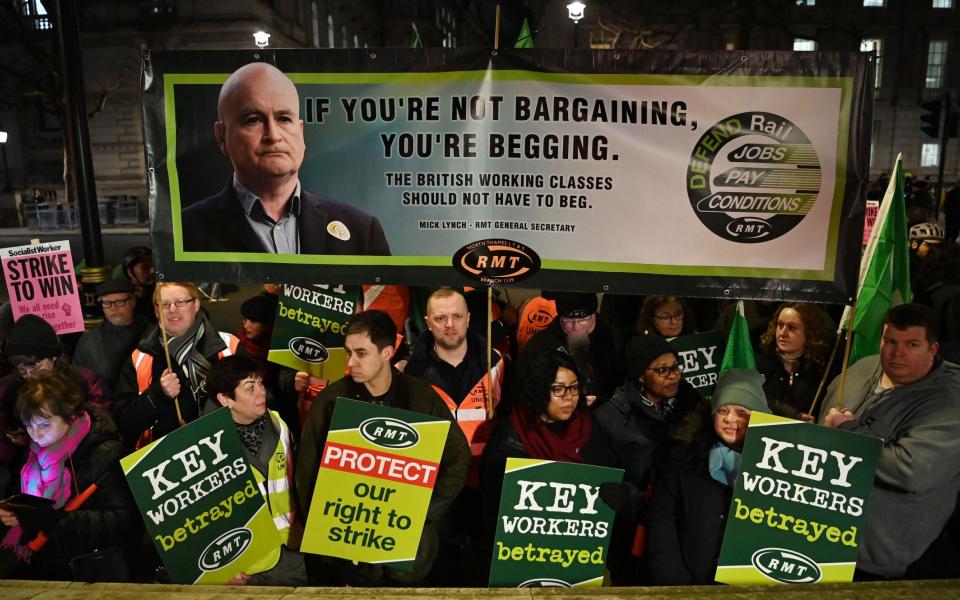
(263, 207)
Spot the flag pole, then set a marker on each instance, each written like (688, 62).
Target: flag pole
(826, 371)
(846, 358)
(496, 30)
(166, 352)
(490, 342)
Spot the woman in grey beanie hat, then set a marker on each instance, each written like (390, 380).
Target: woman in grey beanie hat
(692, 491)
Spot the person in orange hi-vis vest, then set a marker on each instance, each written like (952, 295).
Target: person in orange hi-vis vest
(455, 362)
(535, 314)
(152, 399)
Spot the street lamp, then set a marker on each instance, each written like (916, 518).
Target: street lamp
(575, 12)
(6, 170)
(261, 39)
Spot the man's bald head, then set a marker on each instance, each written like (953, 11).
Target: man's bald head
(251, 76)
(259, 128)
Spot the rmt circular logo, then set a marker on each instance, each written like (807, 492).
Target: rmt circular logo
(753, 177)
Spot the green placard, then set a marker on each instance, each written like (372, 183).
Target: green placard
(799, 504)
(308, 328)
(201, 503)
(553, 530)
(700, 355)
(376, 477)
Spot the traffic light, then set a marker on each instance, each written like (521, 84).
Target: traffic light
(953, 120)
(930, 119)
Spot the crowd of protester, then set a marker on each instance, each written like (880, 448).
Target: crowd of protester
(570, 377)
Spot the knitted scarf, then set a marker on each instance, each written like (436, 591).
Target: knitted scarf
(543, 443)
(184, 352)
(45, 474)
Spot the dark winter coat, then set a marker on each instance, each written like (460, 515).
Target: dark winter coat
(108, 518)
(686, 517)
(103, 350)
(636, 432)
(786, 396)
(136, 412)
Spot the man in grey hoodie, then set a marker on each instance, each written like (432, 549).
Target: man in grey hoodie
(910, 398)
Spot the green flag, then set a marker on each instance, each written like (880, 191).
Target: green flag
(739, 352)
(884, 270)
(415, 41)
(525, 39)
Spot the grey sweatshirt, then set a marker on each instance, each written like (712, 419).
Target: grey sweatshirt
(918, 473)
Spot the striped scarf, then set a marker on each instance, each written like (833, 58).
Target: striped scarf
(184, 352)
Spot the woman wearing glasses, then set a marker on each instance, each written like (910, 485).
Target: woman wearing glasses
(687, 512)
(666, 316)
(33, 348)
(637, 422)
(548, 421)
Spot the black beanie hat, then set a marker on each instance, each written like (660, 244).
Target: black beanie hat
(32, 336)
(642, 350)
(576, 305)
(260, 309)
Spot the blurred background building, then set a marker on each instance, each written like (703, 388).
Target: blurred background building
(914, 41)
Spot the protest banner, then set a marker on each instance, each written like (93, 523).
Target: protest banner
(40, 281)
(308, 328)
(700, 355)
(201, 504)
(799, 504)
(537, 166)
(552, 530)
(376, 478)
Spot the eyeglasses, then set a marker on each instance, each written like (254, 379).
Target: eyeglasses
(559, 391)
(666, 317)
(118, 303)
(573, 321)
(667, 371)
(177, 303)
(26, 367)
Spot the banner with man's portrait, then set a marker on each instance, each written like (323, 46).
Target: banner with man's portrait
(701, 173)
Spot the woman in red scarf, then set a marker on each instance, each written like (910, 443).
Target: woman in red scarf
(548, 421)
(74, 454)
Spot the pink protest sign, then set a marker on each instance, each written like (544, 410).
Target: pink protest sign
(40, 281)
(873, 209)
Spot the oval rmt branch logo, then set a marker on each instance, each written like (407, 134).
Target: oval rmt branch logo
(786, 566)
(496, 261)
(227, 548)
(389, 433)
(308, 349)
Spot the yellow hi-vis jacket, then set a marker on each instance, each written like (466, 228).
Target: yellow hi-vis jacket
(276, 491)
